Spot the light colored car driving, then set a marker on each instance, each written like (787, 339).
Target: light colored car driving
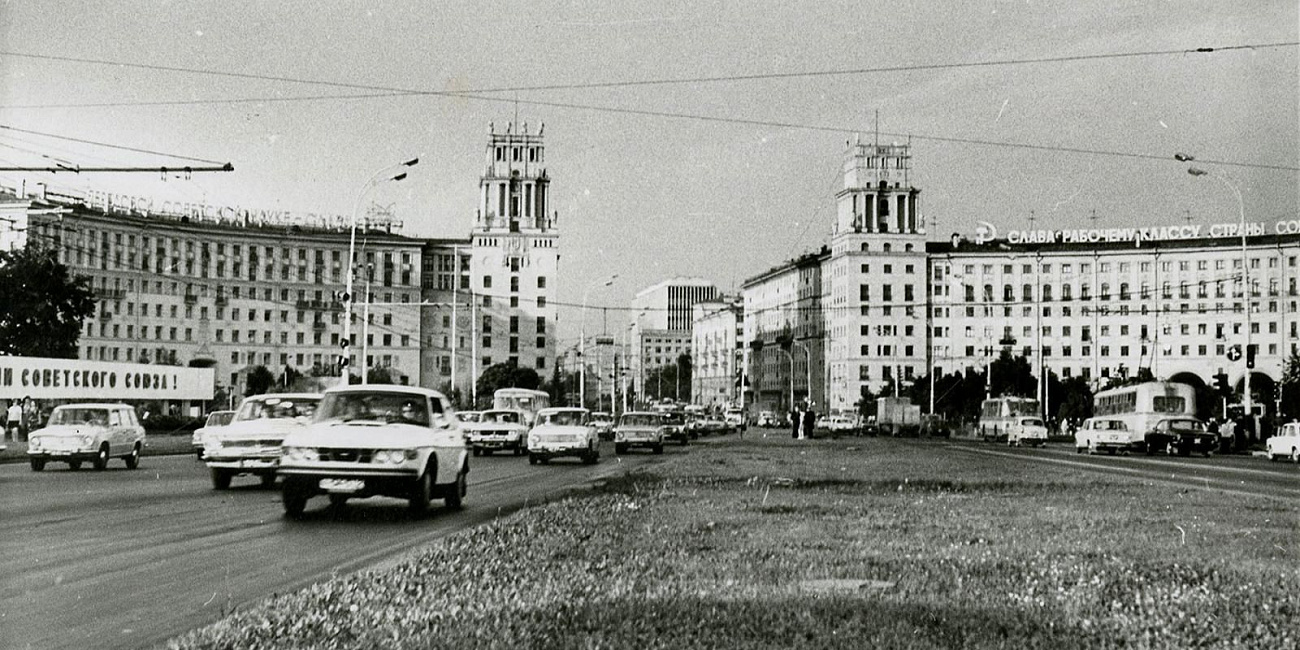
(250, 444)
(1027, 431)
(498, 430)
(604, 424)
(1286, 443)
(87, 432)
(1097, 435)
(214, 421)
(377, 440)
(639, 429)
(563, 432)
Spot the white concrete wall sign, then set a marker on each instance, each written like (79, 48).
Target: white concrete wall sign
(96, 380)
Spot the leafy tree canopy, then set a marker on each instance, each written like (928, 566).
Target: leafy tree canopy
(260, 380)
(506, 375)
(42, 305)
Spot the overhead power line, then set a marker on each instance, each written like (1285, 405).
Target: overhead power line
(385, 91)
(15, 129)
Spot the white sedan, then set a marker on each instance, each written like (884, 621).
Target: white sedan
(1286, 443)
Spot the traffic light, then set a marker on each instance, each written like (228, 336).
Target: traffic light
(1221, 384)
(1250, 356)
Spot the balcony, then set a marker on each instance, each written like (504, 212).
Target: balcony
(191, 299)
(110, 294)
(318, 326)
(105, 315)
(222, 301)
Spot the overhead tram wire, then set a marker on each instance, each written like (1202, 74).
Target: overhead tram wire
(470, 94)
(59, 166)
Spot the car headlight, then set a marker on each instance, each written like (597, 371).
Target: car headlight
(394, 456)
(87, 441)
(304, 454)
(34, 444)
(532, 440)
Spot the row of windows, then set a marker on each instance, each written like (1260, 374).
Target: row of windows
(167, 333)
(1125, 292)
(1085, 268)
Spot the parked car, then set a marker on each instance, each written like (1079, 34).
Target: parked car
(767, 419)
(675, 428)
(215, 420)
(1027, 431)
(1180, 435)
(563, 431)
(503, 429)
(87, 432)
(712, 424)
(250, 444)
(377, 440)
(838, 425)
(639, 429)
(734, 418)
(1096, 435)
(1285, 443)
(604, 424)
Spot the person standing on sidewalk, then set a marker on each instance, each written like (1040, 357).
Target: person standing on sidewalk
(13, 420)
(809, 421)
(794, 422)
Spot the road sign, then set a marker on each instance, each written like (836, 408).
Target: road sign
(1234, 353)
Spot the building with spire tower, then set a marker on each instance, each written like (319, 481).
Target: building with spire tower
(492, 296)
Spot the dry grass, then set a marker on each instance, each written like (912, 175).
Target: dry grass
(716, 550)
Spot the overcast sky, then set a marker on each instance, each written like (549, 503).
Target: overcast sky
(650, 196)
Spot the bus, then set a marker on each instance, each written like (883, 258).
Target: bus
(522, 399)
(1141, 406)
(999, 414)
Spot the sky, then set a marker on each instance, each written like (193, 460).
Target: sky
(729, 170)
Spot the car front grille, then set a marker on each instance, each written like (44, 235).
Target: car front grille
(346, 455)
(252, 443)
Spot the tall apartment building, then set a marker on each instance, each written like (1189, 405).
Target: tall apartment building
(492, 296)
(717, 352)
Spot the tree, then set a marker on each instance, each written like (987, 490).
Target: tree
(42, 305)
(555, 387)
(260, 380)
(1291, 386)
(379, 376)
(506, 375)
(1076, 400)
(1011, 376)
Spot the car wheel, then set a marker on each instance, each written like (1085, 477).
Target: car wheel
(1170, 449)
(199, 454)
(620, 449)
(220, 479)
(101, 458)
(1272, 457)
(133, 460)
(268, 480)
(338, 500)
(1295, 455)
(38, 464)
(421, 494)
(295, 499)
(659, 448)
(74, 465)
(519, 451)
(455, 499)
(532, 459)
(685, 441)
(477, 451)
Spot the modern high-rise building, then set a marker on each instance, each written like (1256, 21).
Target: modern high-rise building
(661, 330)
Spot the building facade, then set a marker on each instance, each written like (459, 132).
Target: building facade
(492, 296)
(717, 353)
(182, 288)
(661, 329)
(1090, 303)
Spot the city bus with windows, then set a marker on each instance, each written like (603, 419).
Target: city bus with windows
(1141, 407)
(999, 415)
(525, 400)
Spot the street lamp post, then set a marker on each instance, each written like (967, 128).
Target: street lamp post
(807, 351)
(378, 177)
(365, 326)
(582, 340)
(1247, 399)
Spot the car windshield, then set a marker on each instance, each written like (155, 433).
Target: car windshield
(500, 417)
(561, 418)
(468, 416)
(381, 406)
(219, 419)
(1186, 425)
(276, 408)
(640, 420)
(1033, 422)
(98, 417)
(674, 418)
(601, 417)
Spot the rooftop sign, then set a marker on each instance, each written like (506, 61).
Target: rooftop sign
(988, 232)
(111, 203)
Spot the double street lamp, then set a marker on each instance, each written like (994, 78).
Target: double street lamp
(1246, 287)
(382, 176)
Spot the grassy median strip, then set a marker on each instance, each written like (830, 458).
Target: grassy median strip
(858, 543)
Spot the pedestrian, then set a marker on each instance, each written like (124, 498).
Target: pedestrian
(1227, 436)
(794, 422)
(13, 420)
(809, 420)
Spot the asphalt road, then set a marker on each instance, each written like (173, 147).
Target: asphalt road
(1235, 474)
(128, 559)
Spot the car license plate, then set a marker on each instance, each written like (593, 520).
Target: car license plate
(341, 485)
